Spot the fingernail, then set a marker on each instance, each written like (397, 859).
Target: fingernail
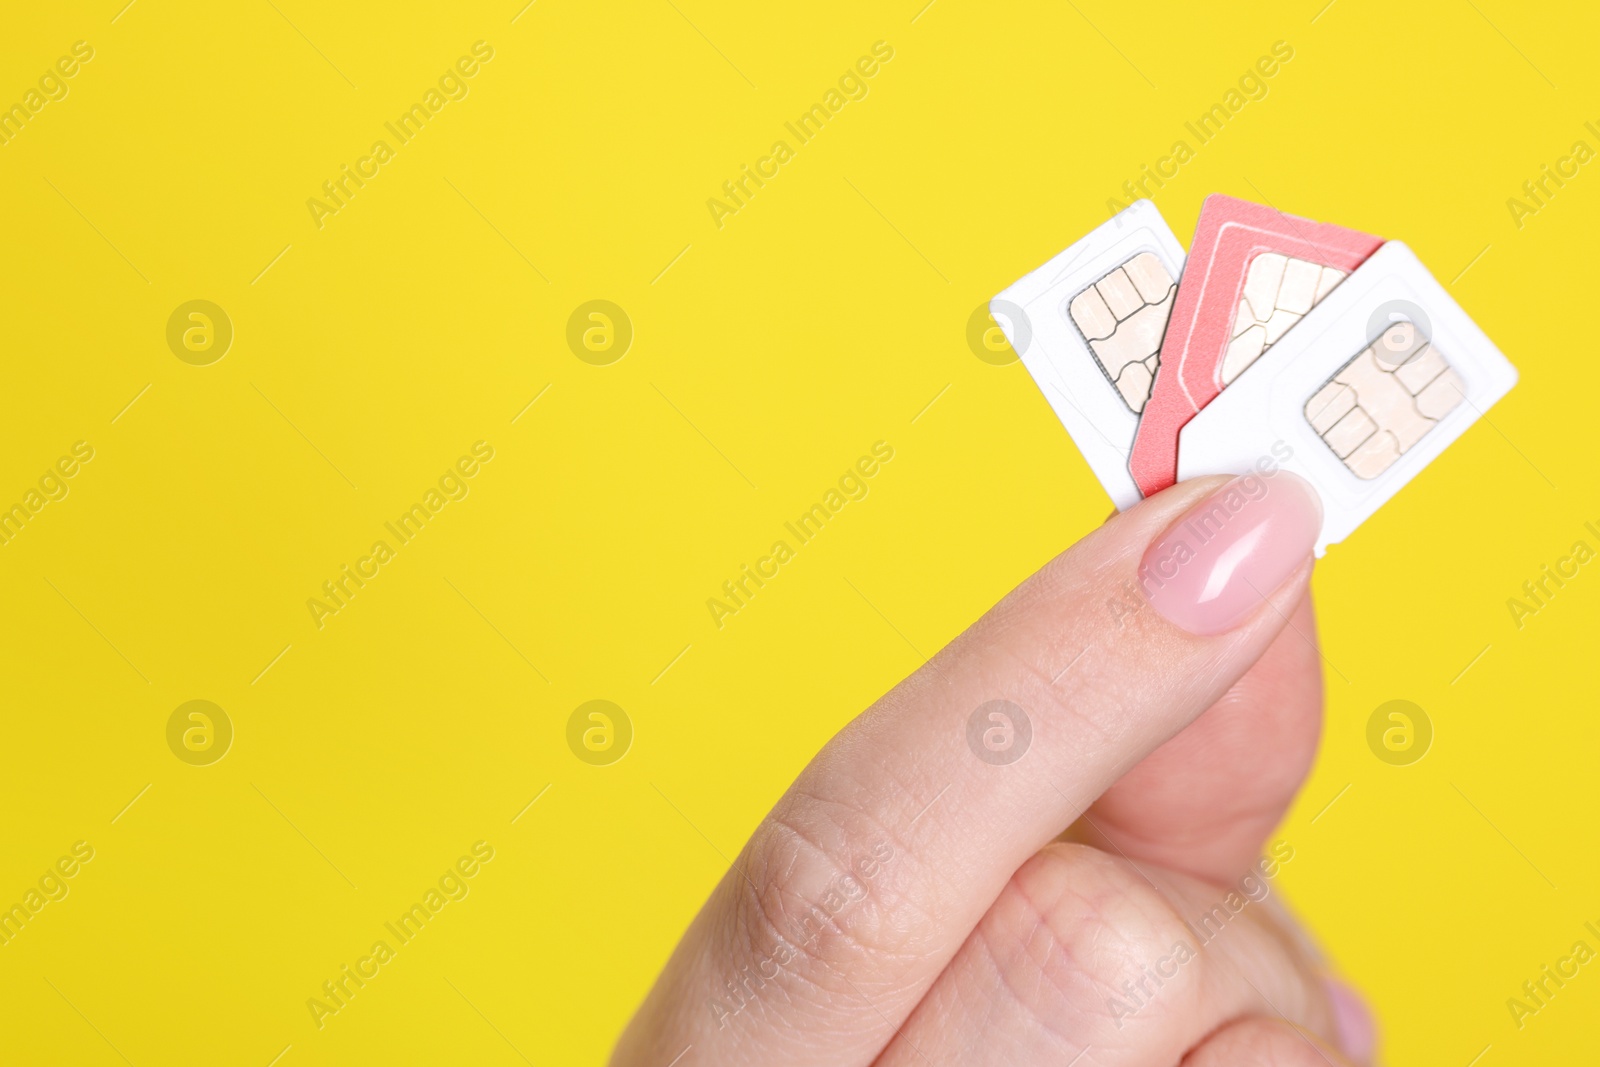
(1213, 568)
(1352, 1021)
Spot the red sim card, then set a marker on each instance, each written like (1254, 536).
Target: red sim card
(1252, 273)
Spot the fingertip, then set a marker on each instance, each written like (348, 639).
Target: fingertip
(1354, 1024)
(1213, 567)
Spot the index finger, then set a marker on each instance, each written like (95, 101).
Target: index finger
(872, 869)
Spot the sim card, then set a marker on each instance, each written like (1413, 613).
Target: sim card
(1253, 273)
(1374, 383)
(1088, 326)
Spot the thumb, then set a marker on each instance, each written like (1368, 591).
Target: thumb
(859, 887)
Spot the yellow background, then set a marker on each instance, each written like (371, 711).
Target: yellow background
(768, 355)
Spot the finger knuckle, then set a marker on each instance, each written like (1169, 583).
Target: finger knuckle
(1080, 931)
(821, 895)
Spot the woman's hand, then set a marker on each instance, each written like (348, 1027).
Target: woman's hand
(1045, 846)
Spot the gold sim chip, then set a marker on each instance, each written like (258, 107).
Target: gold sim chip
(1123, 316)
(1379, 404)
(1278, 290)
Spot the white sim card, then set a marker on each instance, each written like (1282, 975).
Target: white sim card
(1361, 394)
(1088, 326)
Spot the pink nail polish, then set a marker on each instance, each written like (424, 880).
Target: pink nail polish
(1357, 1033)
(1216, 565)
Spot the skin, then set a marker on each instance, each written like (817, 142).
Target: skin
(1015, 900)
